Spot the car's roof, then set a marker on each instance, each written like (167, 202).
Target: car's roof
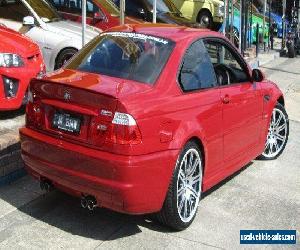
(168, 31)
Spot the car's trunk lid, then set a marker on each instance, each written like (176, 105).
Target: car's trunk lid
(80, 106)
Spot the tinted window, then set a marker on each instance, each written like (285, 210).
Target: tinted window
(14, 11)
(132, 7)
(124, 55)
(75, 7)
(44, 10)
(164, 6)
(197, 71)
(226, 64)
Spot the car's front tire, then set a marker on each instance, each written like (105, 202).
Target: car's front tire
(184, 193)
(277, 135)
(63, 57)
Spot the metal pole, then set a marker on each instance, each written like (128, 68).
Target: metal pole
(264, 22)
(225, 16)
(269, 36)
(83, 21)
(122, 12)
(154, 11)
(283, 24)
(232, 20)
(241, 25)
(246, 24)
(251, 22)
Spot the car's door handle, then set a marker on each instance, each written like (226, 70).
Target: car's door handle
(226, 99)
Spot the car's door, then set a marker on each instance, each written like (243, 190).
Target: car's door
(242, 105)
(202, 97)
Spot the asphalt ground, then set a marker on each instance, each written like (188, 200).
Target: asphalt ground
(263, 195)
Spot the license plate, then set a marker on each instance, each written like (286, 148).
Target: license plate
(66, 122)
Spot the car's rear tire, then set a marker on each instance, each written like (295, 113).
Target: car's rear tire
(278, 134)
(184, 193)
(64, 56)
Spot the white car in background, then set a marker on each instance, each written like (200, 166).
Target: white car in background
(58, 39)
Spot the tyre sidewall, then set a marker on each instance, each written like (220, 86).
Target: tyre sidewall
(180, 224)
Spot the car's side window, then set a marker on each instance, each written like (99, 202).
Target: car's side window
(228, 67)
(133, 7)
(14, 10)
(197, 71)
(75, 7)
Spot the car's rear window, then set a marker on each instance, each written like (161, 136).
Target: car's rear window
(131, 56)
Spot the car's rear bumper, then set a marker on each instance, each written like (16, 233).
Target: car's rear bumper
(129, 184)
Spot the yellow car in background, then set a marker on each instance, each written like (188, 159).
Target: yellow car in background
(209, 13)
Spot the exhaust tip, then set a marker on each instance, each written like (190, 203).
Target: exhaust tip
(46, 185)
(88, 202)
(83, 202)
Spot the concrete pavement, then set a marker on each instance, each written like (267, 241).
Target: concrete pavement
(263, 195)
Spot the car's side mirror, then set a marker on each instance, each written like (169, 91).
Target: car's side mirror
(28, 21)
(141, 12)
(98, 17)
(257, 75)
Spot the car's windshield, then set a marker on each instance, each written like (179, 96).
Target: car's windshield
(44, 10)
(110, 7)
(125, 55)
(164, 6)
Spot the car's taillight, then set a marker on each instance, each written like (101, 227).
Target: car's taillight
(123, 130)
(34, 111)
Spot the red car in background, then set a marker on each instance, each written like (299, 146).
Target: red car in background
(103, 14)
(145, 118)
(20, 61)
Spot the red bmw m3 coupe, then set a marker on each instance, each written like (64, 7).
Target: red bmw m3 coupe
(148, 117)
(20, 61)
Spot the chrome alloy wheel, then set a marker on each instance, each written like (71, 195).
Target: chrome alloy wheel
(277, 134)
(189, 185)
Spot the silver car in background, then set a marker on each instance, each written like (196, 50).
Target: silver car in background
(58, 39)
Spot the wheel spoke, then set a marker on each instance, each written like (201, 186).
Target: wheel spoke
(278, 120)
(194, 193)
(180, 192)
(271, 147)
(276, 146)
(281, 127)
(185, 208)
(192, 170)
(190, 162)
(195, 179)
(189, 202)
(280, 137)
(181, 175)
(181, 204)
